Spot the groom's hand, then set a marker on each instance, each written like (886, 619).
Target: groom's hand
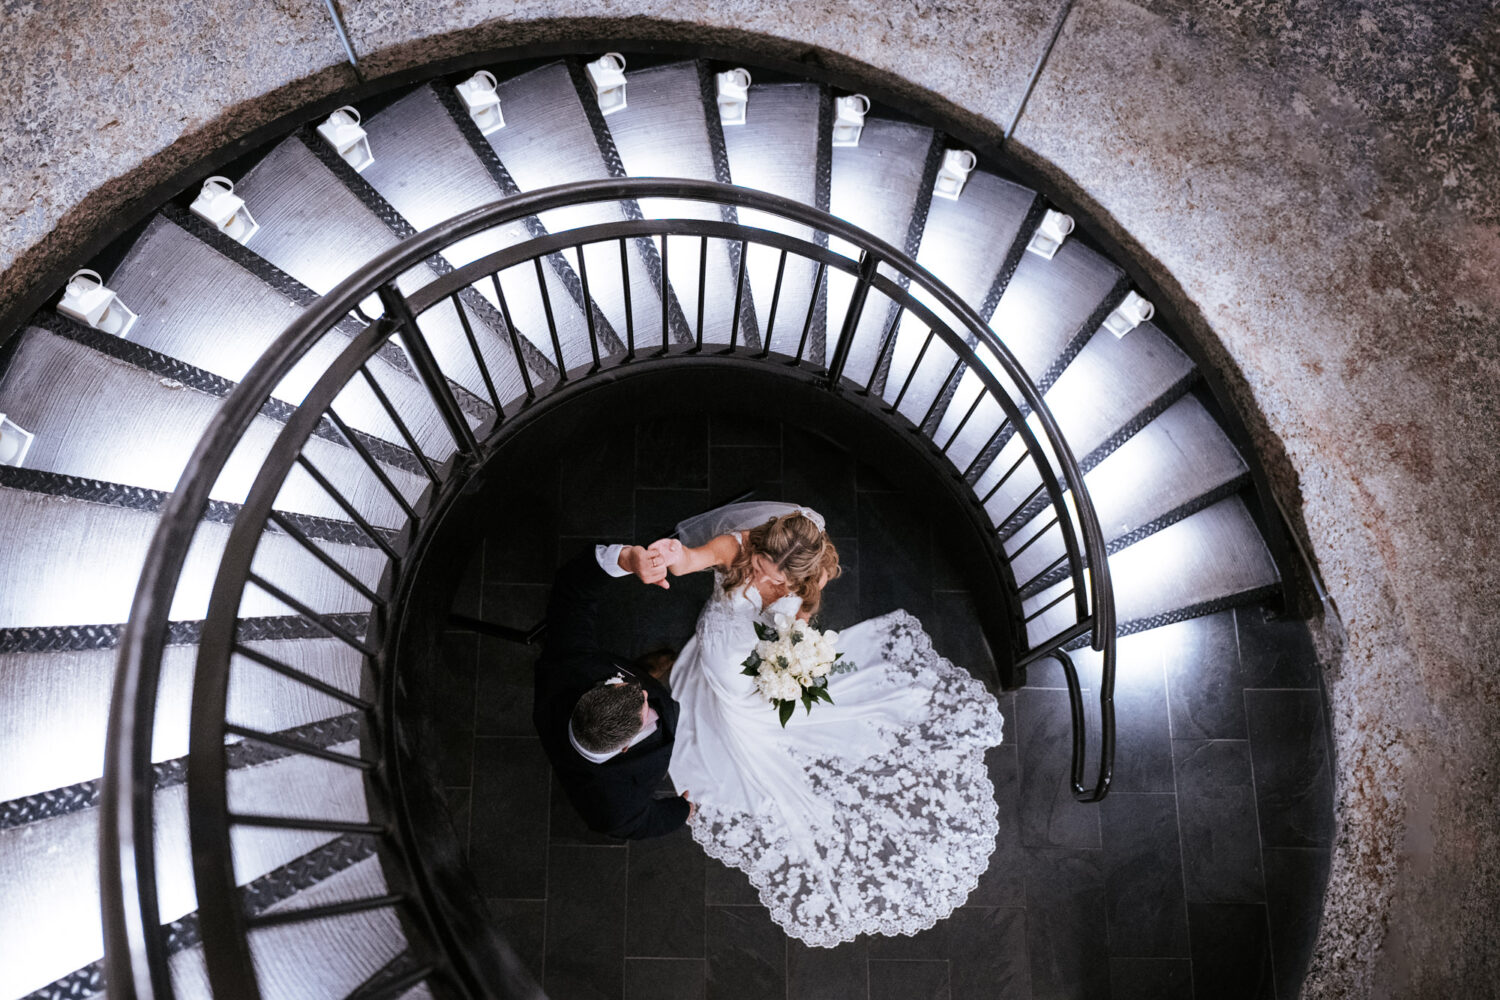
(648, 565)
(692, 806)
(672, 553)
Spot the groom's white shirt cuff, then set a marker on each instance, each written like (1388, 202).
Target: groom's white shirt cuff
(609, 559)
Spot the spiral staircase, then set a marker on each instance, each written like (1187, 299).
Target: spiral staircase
(116, 422)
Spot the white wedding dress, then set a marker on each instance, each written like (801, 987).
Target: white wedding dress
(872, 815)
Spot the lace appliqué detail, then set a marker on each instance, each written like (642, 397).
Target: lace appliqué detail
(915, 825)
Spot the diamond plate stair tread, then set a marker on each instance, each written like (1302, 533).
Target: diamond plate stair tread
(663, 133)
(317, 230)
(877, 186)
(426, 169)
(547, 140)
(965, 241)
(964, 244)
(1109, 382)
(146, 433)
(200, 307)
(77, 563)
(57, 860)
(1215, 553)
(54, 706)
(1178, 457)
(321, 958)
(1047, 300)
(783, 117)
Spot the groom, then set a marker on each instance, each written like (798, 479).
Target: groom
(606, 725)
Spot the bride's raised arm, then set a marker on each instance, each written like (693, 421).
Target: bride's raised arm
(682, 559)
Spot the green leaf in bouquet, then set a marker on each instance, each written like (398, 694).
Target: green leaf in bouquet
(751, 664)
(786, 708)
(807, 700)
(819, 694)
(765, 632)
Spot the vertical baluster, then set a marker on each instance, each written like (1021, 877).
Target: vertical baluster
(812, 311)
(390, 411)
(557, 351)
(739, 291)
(937, 400)
(702, 287)
(484, 369)
(629, 314)
(973, 408)
(911, 375)
(427, 369)
(765, 347)
(885, 345)
(666, 289)
(374, 466)
(588, 307)
(979, 455)
(867, 265)
(515, 338)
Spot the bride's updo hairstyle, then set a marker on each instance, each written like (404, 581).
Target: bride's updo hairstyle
(794, 545)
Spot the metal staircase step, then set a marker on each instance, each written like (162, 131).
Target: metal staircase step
(884, 186)
(429, 173)
(77, 563)
(329, 957)
(97, 417)
(55, 705)
(319, 229)
(203, 309)
(1111, 391)
(784, 117)
(665, 131)
(1179, 463)
(57, 860)
(548, 139)
(1052, 307)
(1205, 561)
(969, 245)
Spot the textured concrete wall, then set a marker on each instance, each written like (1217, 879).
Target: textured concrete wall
(1315, 184)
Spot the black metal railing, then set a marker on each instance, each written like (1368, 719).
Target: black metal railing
(863, 321)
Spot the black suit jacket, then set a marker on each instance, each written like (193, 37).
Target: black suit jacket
(617, 796)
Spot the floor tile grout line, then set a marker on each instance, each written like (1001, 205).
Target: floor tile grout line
(1260, 837)
(1187, 919)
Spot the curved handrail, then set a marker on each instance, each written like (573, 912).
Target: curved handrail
(135, 963)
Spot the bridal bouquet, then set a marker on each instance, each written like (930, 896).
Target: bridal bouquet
(792, 663)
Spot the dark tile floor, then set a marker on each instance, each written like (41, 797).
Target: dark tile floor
(1201, 875)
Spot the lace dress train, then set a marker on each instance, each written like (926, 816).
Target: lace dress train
(871, 815)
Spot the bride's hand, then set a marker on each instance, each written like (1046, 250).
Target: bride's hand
(648, 565)
(672, 554)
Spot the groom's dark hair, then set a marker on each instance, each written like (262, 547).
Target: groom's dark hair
(607, 716)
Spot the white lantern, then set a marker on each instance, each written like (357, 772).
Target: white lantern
(607, 75)
(849, 119)
(87, 300)
(954, 172)
(1129, 314)
(342, 131)
(14, 442)
(479, 97)
(1050, 234)
(734, 96)
(225, 210)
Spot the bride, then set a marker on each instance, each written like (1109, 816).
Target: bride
(873, 814)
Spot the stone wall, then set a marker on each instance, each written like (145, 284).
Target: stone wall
(1312, 186)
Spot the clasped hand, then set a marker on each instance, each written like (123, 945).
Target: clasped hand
(653, 562)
